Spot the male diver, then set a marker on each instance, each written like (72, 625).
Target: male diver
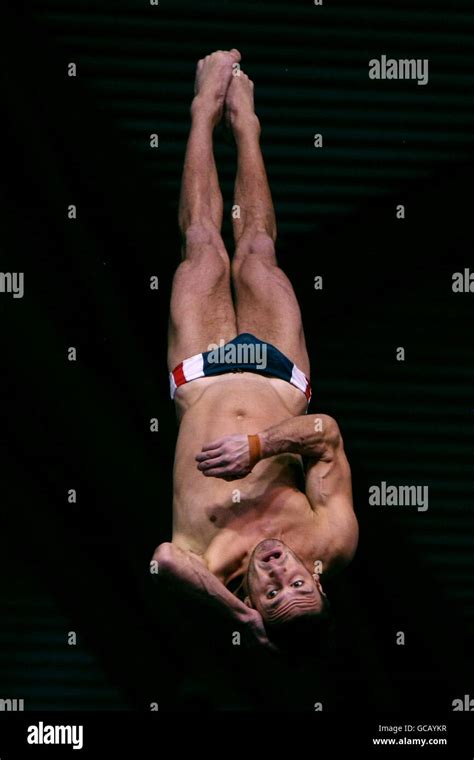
(262, 490)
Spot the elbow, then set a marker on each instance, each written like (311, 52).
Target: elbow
(164, 559)
(331, 431)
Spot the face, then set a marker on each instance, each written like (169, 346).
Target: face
(279, 585)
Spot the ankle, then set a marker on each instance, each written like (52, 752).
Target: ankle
(246, 126)
(204, 109)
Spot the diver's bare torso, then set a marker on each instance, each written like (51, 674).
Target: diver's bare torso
(222, 521)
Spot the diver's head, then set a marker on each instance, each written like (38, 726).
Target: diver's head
(281, 588)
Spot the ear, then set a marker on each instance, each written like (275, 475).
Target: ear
(248, 602)
(320, 588)
(317, 581)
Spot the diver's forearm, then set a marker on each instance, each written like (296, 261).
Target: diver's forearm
(191, 575)
(310, 435)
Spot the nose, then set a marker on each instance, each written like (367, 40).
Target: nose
(277, 571)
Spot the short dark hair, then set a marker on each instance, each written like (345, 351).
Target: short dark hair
(309, 631)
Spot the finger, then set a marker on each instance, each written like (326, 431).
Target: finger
(213, 444)
(216, 472)
(206, 455)
(211, 463)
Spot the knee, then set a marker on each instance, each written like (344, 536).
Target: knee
(256, 243)
(203, 248)
(162, 557)
(199, 235)
(254, 255)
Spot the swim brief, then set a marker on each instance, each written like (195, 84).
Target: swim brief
(245, 353)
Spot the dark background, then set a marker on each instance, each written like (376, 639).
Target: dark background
(387, 283)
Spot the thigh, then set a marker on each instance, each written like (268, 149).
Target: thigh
(266, 305)
(201, 310)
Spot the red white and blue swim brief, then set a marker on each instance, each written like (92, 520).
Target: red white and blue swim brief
(245, 353)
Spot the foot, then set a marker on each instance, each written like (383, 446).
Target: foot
(239, 104)
(213, 76)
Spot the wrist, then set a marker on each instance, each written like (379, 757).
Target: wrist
(271, 445)
(264, 445)
(251, 618)
(255, 449)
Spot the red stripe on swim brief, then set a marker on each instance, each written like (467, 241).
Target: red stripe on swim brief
(178, 374)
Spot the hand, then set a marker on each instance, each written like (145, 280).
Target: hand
(227, 458)
(257, 631)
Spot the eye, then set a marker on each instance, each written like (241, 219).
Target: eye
(273, 592)
(298, 584)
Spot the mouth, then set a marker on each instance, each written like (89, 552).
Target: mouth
(268, 556)
(268, 548)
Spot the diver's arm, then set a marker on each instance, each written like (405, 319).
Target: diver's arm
(328, 476)
(313, 435)
(328, 484)
(187, 572)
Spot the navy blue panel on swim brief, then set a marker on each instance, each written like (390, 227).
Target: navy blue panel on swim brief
(246, 353)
